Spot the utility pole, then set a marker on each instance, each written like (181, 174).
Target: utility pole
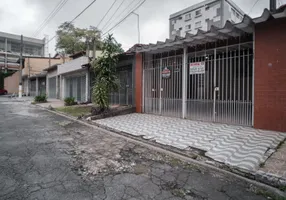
(49, 59)
(87, 47)
(222, 13)
(273, 6)
(94, 48)
(20, 68)
(6, 57)
(138, 25)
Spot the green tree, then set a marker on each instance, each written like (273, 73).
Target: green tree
(104, 68)
(71, 39)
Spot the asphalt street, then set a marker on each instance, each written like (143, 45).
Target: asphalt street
(46, 156)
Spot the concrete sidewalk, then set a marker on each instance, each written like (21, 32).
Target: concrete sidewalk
(55, 103)
(235, 146)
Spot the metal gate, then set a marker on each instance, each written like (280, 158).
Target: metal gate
(163, 84)
(222, 92)
(33, 88)
(124, 94)
(52, 87)
(219, 85)
(76, 87)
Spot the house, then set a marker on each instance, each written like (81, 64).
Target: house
(204, 15)
(233, 74)
(32, 73)
(74, 77)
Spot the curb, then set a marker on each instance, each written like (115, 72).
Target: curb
(176, 154)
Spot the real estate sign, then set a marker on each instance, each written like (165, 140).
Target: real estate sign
(197, 68)
(166, 72)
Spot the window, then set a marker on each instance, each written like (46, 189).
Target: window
(188, 27)
(15, 47)
(180, 18)
(198, 24)
(198, 13)
(180, 28)
(188, 16)
(207, 7)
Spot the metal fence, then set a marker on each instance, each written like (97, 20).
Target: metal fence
(219, 84)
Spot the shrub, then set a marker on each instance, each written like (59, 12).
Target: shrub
(40, 98)
(69, 101)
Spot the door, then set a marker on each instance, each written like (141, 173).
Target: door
(152, 86)
(233, 91)
(171, 86)
(200, 77)
(52, 87)
(163, 87)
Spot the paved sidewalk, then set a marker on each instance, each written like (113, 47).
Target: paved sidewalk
(236, 146)
(55, 103)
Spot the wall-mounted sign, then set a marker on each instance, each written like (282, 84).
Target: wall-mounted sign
(197, 68)
(166, 72)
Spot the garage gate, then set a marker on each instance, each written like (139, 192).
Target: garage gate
(52, 87)
(76, 87)
(123, 96)
(218, 84)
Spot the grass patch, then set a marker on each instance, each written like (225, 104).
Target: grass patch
(75, 111)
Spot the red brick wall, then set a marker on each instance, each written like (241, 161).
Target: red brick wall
(270, 76)
(138, 82)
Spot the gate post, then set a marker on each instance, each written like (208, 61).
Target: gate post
(215, 86)
(184, 83)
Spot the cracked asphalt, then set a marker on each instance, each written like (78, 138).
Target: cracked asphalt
(46, 156)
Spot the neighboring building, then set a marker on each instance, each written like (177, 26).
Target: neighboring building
(33, 77)
(11, 83)
(203, 15)
(32, 71)
(52, 82)
(10, 46)
(75, 77)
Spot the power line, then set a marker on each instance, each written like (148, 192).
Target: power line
(113, 14)
(106, 13)
(124, 18)
(58, 7)
(118, 16)
(75, 18)
(253, 6)
(49, 17)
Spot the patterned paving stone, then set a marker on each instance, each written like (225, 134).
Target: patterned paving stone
(236, 146)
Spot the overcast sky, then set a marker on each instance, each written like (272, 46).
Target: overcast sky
(25, 16)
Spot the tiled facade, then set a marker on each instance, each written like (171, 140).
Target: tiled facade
(270, 76)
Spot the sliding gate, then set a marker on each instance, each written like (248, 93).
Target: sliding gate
(219, 85)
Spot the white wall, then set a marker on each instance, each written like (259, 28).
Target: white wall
(72, 65)
(211, 14)
(52, 73)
